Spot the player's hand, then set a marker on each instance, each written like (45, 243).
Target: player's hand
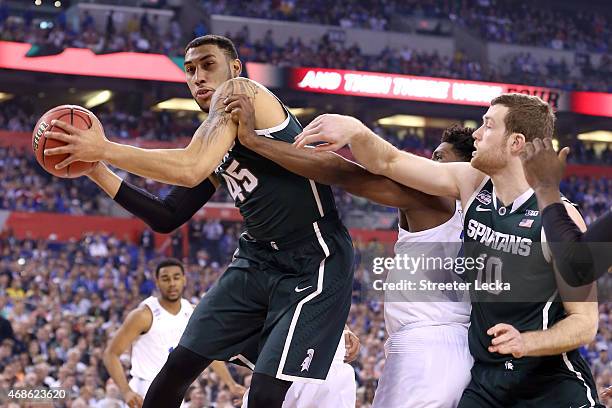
(352, 346)
(607, 393)
(543, 167)
(132, 399)
(237, 392)
(88, 145)
(507, 340)
(334, 131)
(243, 114)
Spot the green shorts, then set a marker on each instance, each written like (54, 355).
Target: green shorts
(293, 297)
(551, 382)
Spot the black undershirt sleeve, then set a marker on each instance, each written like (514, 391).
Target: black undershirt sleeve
(581, 258)
(167, 214)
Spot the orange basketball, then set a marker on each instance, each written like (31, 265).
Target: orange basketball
(75, 115)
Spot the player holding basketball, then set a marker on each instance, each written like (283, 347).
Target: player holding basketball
(153, 330)
(290, 281)
(423, 335)
(525, 352)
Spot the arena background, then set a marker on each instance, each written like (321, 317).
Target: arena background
(73, 263)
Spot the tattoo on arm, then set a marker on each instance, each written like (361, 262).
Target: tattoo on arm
(217, 117)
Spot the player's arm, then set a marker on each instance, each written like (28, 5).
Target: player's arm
(578, 261)
(579, 327)
(186, 167)
(163, 215)
(138, 321)
(323, 167)
(221, 370)
(381, 157)
(580, 256)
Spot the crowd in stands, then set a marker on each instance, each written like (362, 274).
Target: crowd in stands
(580, 74)
(495, 20)
(491, 17)
(142, 34)
(503, 21)
(60, 303)
(19, 116)
(529, 23)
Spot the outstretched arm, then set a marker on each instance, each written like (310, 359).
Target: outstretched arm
(381, 157)
(187, 166)
(323, 167)
(161, 214)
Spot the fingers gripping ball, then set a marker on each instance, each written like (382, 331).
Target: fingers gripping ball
(76, 116)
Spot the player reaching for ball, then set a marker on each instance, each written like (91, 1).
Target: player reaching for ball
(291, 279)
(524, 339)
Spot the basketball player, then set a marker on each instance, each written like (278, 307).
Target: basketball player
(525, 352)
(291, 279)
(425, 335)
(153, 330)
(580, 258)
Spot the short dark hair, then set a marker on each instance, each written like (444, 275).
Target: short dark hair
(168, 262)
(527, 114)
(461, 139)
(224, 43)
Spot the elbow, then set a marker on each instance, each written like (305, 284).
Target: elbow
(591, 328)
(194, 174)
(107, 355)
(188, 179)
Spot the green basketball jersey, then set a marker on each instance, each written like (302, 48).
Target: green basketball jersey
(273, 201)
(515, 283)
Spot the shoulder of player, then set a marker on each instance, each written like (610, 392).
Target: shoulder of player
(239, 86)
(468, 179)
(140, 318)
(574, 214)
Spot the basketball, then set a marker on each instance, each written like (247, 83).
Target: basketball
(76, 116)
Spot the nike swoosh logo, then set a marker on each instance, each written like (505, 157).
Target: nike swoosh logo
(480, 209)
(298, 290)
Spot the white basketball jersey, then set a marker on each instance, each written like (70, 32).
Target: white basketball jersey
(150, 351)
(340, 351)
(428, 307)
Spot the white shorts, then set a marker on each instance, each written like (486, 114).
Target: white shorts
(140, 386)
(426, 367)
(339, 390)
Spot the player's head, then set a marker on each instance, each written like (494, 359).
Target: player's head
(170, 279)
(457, 144)
(210, 60)
(511, 121)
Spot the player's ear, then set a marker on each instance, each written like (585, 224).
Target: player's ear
(236, 67)
(518, 141)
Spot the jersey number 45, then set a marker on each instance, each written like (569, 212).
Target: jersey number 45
(239, 182)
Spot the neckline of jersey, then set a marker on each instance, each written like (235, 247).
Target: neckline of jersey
(517, 203)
